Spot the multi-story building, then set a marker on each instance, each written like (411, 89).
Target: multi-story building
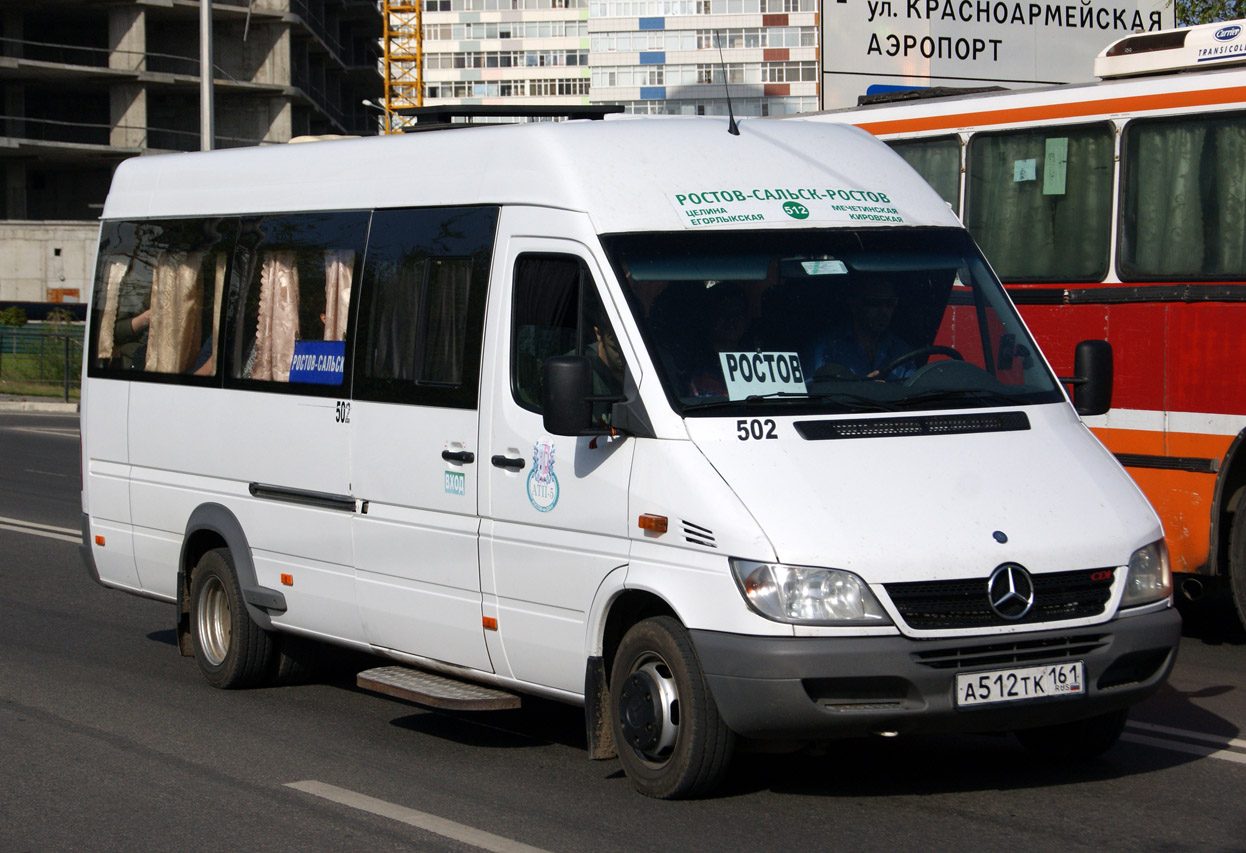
(686, 56)
(88, 83)
(502, 52)
(652, 56)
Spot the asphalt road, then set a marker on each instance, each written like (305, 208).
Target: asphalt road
(109, 740)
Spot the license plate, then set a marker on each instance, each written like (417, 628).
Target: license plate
(1013, 685)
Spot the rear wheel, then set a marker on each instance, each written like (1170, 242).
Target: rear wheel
(231, 650)
(1077, 740)
(668, 734)
(1237, 558)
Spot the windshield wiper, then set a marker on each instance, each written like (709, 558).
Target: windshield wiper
(962, 394)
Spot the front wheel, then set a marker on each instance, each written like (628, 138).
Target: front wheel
(231, 650)
(668, 734)
(1081, 739)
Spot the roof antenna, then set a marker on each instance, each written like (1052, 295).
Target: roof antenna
(732, 127)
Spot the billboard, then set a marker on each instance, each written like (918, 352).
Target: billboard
(873, 46)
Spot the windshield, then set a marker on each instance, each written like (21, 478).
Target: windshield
(827, 321)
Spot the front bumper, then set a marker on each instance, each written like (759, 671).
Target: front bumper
(827, 687)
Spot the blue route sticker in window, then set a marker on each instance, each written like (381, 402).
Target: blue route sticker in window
(749, 374)
(318, 362)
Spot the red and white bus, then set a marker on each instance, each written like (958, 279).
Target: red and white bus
(1117, 210)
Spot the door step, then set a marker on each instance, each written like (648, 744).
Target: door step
(435, 691)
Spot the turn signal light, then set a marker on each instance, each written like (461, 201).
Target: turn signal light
(287, 580)
(656, 523)
(99, 540)
(489, 622)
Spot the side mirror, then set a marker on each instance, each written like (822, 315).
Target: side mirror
(1092, 379)
(566, 389)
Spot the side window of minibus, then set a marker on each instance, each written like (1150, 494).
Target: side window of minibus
(422, 305)
(557, 311)
(158, 294)
(294, 276)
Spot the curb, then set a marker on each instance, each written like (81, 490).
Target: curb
(40, 407)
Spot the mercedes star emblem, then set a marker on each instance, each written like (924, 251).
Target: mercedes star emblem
(1010, 591)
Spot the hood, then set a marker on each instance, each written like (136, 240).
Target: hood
(926, 507)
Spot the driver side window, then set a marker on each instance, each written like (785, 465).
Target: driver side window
(557, 311)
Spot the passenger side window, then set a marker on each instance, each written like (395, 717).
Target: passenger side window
(1039, 202)
(557, 311)
(1183, 198)
(158, 294)
(422, 315)
(295, 277)
(937, 161)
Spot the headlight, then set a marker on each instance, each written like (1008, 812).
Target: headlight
(807, 596)
(1148, 575)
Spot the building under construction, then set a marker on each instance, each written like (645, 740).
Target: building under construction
(89, 83)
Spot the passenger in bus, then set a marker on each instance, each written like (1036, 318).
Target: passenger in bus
(130, 339)
(724, 325)
(606, 359)
(864, 344)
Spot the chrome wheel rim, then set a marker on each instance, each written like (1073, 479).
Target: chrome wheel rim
(649, 710)
(214, 619)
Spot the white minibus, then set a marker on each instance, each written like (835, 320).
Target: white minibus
(721, 438)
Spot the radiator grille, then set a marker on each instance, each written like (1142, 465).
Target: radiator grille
(1016, 652)
(1058, 596)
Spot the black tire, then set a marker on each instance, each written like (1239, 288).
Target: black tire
(1237, 558)
(231, 650)
(667, 731)
(1079, 740)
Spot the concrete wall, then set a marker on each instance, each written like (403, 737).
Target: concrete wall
(37, 258)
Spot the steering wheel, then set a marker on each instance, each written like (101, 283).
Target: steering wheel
(885, 370)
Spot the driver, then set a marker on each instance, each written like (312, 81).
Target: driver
(865, 343)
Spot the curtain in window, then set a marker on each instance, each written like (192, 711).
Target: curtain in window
(444, 343)
(174, 336)
(1168, 237)
(395, 317)
(1027, 227)
(1082, 216)
(339, 269)
(278, 323)
(1228, 246)
(112, 298)
(938, 162)
(218, 293)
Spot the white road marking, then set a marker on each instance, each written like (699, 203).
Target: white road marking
(58, 431)
(65, 534)
(1218, 740)
(1191, 748)
(422, 820)
(46, 473)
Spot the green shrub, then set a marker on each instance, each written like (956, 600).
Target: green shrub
(13, 316)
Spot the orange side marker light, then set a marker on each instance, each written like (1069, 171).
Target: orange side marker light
(99, 540)
(489, 622)
(287, 580)
(655, 523)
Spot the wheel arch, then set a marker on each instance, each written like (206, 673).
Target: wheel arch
(212, 526)
(1230, 483)
(625, 609)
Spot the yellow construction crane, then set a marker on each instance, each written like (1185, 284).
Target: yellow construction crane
(404, 59)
